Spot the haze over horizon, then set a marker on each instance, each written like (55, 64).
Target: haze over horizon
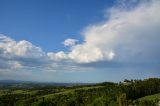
(79, 41)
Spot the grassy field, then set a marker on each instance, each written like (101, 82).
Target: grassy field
(151, 97)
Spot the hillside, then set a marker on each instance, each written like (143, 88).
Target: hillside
(151, 100)
(151, 97)
(129, 92)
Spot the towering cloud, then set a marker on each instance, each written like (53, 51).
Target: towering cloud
(128, 35)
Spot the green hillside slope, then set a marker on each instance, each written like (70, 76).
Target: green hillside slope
(151, 97)
(127, 93)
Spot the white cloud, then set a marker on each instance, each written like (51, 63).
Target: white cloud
(70, 42)
(21, 48)
(57, 56)
(20, 54)
(88, 53)
(25, 48)
(126, 36)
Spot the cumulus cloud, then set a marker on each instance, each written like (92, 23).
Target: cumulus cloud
(87, 53)
(21, 48)
(15, 55)
(70, 42)
(128, 35)
(57, 56)
(20, 54)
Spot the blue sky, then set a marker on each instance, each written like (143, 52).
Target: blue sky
(79, 40)
(49, 22)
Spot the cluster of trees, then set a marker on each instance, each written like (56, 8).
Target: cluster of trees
(11, 99)
(138, 88)
(133, 89)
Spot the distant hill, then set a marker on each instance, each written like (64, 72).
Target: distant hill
(11, 82)
(14, 82)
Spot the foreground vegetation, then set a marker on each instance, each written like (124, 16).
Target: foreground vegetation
(127, 93)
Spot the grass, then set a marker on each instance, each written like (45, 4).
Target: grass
(150, 97)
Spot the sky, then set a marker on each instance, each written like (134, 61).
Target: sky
(79, 40)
